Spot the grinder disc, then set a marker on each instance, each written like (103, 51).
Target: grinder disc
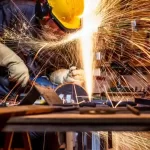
(71, 93)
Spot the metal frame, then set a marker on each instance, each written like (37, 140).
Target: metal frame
(79, 122)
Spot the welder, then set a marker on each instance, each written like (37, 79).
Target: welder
(61, 15)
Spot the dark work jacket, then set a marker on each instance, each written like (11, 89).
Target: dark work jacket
(12, 9)
(13, 13)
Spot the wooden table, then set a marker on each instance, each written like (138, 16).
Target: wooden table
(79, 122)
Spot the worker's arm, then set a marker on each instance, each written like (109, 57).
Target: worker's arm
(17, 69)
(67, 75)
(13, 11)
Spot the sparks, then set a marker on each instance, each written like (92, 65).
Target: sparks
(121, 39)
(90, 26)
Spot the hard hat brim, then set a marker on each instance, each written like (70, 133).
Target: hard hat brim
(74, 24)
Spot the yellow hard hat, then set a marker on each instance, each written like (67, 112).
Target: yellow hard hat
(67, 12)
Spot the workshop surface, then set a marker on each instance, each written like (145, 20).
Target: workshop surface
(74, 121)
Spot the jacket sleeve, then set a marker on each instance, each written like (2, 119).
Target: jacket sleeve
(17, 70)
(7, 56)
(16, 10)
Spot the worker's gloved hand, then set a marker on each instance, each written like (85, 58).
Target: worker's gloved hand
(19, 72)
(17, 69)
(67, 75)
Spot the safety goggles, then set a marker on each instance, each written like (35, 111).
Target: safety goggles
(44, 13)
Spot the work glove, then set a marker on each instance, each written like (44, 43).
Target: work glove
(71, 75)
(17, 69)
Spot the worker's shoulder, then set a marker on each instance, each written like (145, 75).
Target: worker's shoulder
(25, 7)
(22, 8)
(18, 2)
(4, 2)
(24, 2)
(15, 12)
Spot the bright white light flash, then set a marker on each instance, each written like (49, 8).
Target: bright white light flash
(91, 23)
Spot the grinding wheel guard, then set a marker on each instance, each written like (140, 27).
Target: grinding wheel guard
(36, 91)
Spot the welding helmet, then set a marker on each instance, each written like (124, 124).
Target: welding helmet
(67, 13)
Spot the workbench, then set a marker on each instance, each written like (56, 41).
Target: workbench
(73, 121)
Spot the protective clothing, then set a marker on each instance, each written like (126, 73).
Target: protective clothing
(16, 67)
(12, 11)
(67, 75)
(67, 12)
